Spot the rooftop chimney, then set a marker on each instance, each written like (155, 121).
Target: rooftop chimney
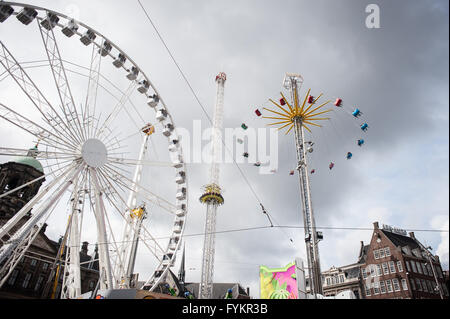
(376, 225)
(411, 234)
(84, 247)
(44, 228)
(361, 250)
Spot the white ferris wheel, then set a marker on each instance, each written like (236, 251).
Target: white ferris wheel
(109, 145)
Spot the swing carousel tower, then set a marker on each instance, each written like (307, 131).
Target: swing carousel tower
(297, 116)
(212, 195)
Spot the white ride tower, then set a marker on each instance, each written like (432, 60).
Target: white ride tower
(297, 115)
(134, 218)
(292, 82)
(212, 196)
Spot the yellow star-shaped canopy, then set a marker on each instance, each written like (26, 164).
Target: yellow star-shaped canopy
(305, 112)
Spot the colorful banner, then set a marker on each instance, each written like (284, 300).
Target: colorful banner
(278, 283)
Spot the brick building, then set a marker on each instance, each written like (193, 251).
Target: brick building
(398, 266)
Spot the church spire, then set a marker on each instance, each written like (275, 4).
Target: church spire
(182, 271)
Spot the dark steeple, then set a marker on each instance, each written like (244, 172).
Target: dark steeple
(182, 271)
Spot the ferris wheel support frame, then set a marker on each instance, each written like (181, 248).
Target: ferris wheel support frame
(71, 285)
(102, 238)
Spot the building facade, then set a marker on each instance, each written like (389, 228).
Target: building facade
(339, 279)
(398, 266)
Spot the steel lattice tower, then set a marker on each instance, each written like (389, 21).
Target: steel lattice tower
(212, 196)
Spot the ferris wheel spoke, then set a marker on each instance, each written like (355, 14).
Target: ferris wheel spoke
(31, 127)
(129, 161)
(32, 182)
(128, 209)
(59, 148)
(8, 151)
(156, 199)
(60, 77)
(4, 75)
(121, 100)
(30, 89)
(39, 211)
(27, 207)
(116, 110)
(126, 138)
(92, 89)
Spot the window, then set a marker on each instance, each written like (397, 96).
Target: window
(33, 262)
(387, 251)
(408, 267)
(419, 269)
(385, 269)
(395, 284)
(39, 283)
(341, 277)
(372, 270)
(13, 277)
(392, 267)
(376, 288)
(91, 284)
(382, 253)
(413, 285)
(379, 270)
(444, 288)
(439, 271)
(45, 266)
(27, 279)
(399, 266)
(382, 287)
(404, 284)
(419, 285)
(424, 285)
(430, 286)
(430, 271)
(367, 290)
(328, 281)
(389, 285)
(425, 270)
(413, 265)
(376, 254)
(364, 273)
(333, 280)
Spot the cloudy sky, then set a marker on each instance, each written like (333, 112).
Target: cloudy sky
(396, 74)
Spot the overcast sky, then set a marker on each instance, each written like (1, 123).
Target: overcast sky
(397, 75)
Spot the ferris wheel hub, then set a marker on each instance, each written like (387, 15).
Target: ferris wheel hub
(94, 153)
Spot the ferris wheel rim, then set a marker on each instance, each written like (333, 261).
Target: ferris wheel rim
(179, 149)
